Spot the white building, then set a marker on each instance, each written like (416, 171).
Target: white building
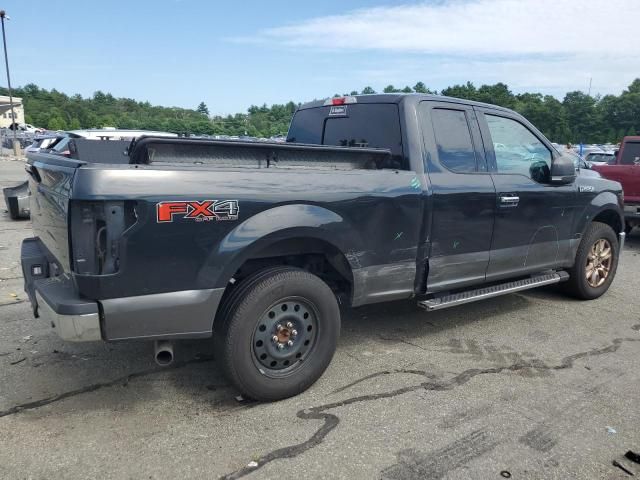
(5, 112)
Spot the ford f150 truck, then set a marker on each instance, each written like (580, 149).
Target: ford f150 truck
(625, 168)
(373, 198)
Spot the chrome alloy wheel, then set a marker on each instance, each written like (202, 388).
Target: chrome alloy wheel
(599, 263)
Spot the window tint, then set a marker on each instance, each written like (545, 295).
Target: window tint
(518, 150)
(453, 139)
(631, 154)
(372, 125)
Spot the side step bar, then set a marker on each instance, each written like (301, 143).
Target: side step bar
(469, 296)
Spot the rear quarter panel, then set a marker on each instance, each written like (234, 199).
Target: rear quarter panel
(372, 216)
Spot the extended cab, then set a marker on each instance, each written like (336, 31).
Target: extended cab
(624, 167)
(373, 198)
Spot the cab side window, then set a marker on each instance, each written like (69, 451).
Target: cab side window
(453, 139)
(518, 150)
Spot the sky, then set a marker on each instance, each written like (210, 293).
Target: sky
(233, 54)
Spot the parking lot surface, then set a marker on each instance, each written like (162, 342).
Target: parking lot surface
(533, 385)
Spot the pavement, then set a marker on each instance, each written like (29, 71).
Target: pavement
(525, 386)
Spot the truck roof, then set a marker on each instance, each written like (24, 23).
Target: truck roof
(403, 97)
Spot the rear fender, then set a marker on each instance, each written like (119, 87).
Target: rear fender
(273, 225)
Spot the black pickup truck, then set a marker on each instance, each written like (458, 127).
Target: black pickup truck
(373, 198)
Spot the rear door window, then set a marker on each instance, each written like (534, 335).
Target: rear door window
(453, 139)
(369, 125)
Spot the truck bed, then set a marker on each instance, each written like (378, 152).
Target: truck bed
(231, 153)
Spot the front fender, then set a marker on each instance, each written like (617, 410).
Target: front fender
(273, 225)
(604, 201)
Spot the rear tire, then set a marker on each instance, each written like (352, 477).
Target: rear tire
(276, 333)
(596, 262)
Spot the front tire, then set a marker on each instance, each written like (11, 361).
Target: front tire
(277, 333)
(596, 262)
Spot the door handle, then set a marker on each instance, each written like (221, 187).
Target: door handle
(508, 201)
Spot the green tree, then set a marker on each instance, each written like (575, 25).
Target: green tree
(579, 117)
(467, 91)
(56, 123)
(581, 114)
(390, 89)
(74, 124)
(202, 108)
(498, 94)
(421, 88)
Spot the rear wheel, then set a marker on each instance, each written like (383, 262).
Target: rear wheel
(277, 332)
(596, 262)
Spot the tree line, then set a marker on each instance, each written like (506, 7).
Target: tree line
(579, 117)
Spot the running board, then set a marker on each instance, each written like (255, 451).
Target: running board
(469, 296)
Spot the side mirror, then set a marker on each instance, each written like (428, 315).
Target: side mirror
(563, 170)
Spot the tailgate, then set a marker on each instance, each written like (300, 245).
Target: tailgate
(50, 182)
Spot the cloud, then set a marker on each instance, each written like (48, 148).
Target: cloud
(487, 27)
(552, 46)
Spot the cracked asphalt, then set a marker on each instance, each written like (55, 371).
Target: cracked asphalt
(534, 384)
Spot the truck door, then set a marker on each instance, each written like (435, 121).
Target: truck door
(533, 224)
(462, 201)
(629, 170)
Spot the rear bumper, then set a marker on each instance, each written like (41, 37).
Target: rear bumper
(162, 316)
(55, 298)
(632, 212)
(69, 327)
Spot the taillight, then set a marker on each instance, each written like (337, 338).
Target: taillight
(95, 235)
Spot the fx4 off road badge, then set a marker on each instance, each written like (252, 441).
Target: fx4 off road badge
(204, 211)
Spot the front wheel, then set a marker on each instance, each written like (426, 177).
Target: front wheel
(277, 333)
(596, 262)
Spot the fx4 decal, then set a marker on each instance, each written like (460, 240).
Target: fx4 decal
(203, 211)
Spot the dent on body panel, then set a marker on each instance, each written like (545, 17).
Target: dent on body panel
(543, 247)
(592, 204)
(278, 223)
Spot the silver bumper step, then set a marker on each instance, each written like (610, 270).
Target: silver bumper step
(468, 296)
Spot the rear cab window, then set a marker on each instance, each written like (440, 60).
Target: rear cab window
(365, 125)
(630, 154)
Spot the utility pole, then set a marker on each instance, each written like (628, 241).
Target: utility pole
(16, 145)
(590, 80)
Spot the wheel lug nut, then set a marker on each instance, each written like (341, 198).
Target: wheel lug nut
(275, 339)
(289, 325)
(290, 343)
(279, 327)
(294, 333)
(280, 346)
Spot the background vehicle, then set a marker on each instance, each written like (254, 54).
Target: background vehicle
(41, 143)
(78, 144)
(600, 158)
(626, 170)
(116, 134)
(373, 198)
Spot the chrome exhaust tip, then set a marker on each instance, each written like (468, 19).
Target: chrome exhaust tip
(163, 353)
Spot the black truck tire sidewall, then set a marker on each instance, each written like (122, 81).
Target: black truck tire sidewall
(578, 284)
(242, 317)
